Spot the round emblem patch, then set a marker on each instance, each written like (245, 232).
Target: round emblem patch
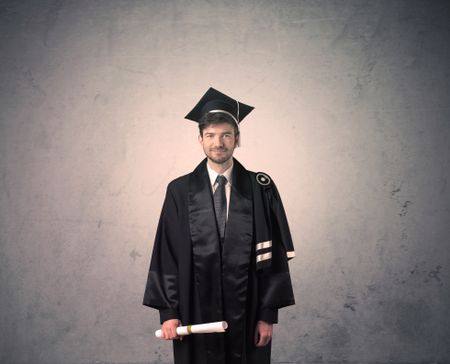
(263, 179)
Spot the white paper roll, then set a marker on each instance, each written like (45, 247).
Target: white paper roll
(207, 328)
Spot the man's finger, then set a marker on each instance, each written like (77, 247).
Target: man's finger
(263, 340)
(256, 337)
(173, 333)
(260, 340)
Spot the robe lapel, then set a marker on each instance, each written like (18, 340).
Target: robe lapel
(206, 259)
(205, 245)
(236, 260)
(221, 276)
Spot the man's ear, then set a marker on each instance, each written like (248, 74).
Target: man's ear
(200, 138)
(238, 140)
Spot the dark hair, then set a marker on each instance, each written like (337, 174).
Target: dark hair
(216, 118)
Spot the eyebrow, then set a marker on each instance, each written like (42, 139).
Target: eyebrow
(212, 133)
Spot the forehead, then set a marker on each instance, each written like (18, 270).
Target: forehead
(219, 128)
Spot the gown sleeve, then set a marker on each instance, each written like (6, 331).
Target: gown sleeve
(161, 291)
(274, 281)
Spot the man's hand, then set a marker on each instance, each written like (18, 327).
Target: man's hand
(263, 333)
(168, 329)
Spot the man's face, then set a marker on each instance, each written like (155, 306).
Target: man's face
(218, 142)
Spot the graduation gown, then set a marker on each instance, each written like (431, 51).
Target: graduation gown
(195, 278)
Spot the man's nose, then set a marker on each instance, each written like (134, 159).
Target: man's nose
(218, 141)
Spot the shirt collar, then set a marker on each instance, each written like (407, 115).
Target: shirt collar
(213, 174)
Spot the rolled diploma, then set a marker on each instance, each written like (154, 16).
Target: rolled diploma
(210, 327)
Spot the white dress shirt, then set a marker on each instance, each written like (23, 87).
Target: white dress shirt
(227, 174)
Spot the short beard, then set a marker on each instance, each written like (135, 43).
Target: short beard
(221, 160)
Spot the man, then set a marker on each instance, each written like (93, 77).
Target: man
(221, 248)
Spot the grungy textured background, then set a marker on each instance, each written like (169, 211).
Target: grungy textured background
(352, 121)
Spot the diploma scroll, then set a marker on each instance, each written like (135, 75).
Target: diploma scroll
(208, 328)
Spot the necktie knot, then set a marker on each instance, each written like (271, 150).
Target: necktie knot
(221, 180)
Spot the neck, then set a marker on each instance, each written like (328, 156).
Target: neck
(220, 168)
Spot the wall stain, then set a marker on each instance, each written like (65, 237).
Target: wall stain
(404, 210)
(135, 254)
(372, 288)
(434, 274)
(395, 191)
(351, 306)
(422, 274)
(351, 303)
(404, 236)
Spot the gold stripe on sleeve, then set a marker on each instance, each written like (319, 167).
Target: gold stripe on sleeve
(265, 256)
(263, 245)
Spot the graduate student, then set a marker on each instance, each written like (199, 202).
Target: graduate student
(221, 249)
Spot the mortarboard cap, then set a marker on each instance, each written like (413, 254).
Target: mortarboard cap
(215, 101)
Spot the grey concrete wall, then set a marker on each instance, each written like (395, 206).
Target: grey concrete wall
(352, 122)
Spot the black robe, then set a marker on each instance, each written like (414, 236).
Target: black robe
(195, 278)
